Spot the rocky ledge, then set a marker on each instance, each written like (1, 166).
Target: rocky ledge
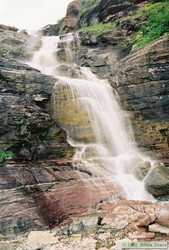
(119, 224)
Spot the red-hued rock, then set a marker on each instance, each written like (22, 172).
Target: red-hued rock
(159, 229)
(135, 216)
(73, 198)
(47, 194)
(141, 236)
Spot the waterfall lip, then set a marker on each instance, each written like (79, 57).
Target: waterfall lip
(95, 106)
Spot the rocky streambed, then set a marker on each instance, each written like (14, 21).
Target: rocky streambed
(118, 225)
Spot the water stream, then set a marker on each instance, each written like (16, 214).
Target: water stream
(89, 111)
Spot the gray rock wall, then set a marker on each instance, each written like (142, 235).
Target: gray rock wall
(141, 80)
(27, 128)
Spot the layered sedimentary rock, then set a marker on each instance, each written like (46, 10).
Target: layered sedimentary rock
(43, 194)
(108, 10)
(36, 191)
(29, 131)
(70, 114)
(138, 218)
(27, 127)
(141, 80)
(40, 192)
(120, 224)
(99, 12)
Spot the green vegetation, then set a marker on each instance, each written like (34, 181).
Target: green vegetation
(19, 122)
(87, 5)
(157, 23)
(43, 135)
(99, 28)
(4, 155)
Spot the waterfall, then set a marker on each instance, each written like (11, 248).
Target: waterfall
(87, 108)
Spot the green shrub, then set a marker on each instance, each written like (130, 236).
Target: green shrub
(5, 155)
(99, 28)
(157, 23)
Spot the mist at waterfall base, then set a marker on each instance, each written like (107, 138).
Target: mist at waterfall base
(110, 152)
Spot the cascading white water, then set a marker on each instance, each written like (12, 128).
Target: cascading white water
(44, 59)
(111, 151)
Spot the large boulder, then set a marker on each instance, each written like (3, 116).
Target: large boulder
(157, 181)
(67, 24)
(141, 170)
(70, 22)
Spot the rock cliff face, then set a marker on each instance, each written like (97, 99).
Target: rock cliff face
(68, 24)
(141, 80)
(100, 12)
(108, 10)
(142, 86)
(41, 187)
(28, 129)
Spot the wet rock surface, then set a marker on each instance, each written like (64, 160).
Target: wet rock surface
(141, 170)
(27, 128)
(145, 98)
(157, 182)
